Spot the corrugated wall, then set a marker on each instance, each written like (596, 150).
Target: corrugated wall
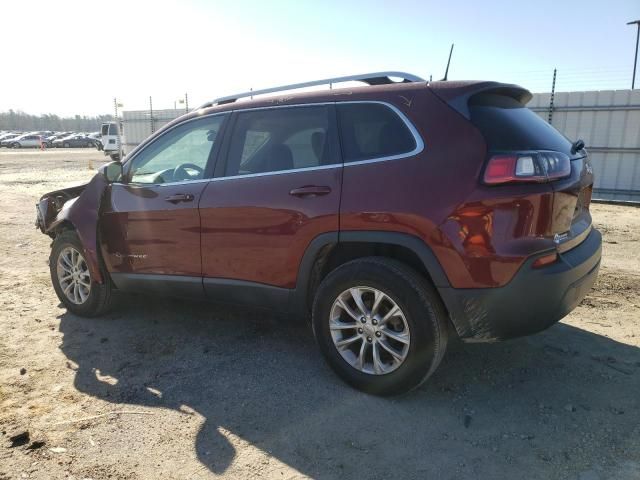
(609, 123)
(139, 124)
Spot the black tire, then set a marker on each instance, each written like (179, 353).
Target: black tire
(65, 145)
(99, 298)
(15, 145)
(424, 312)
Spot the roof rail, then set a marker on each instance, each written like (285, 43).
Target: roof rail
(377, 78)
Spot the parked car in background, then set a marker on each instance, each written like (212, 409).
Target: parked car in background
(28, 140)
(43, 133)
(58, 136)
(97, 138)
(5, 140)
(391, 216)
(74, 141)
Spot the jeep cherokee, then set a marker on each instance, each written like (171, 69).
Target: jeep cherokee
(394, 215)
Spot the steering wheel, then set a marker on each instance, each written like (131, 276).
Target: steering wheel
(181, 173)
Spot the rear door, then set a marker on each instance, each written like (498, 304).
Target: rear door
(150, 226)
(278, 189)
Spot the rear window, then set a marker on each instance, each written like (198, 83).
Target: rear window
(507, 125)
(372, 130)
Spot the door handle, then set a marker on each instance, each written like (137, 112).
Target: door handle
(310, 191)
(179, 197)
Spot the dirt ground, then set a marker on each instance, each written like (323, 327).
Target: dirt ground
(164, 389)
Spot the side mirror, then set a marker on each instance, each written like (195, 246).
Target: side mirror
(111, 172)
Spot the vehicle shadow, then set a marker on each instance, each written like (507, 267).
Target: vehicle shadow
(561, 400)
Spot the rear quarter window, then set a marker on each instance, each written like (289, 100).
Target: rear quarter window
(372, 130)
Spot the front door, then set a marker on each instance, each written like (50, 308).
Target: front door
(150, 225)
(278, 190)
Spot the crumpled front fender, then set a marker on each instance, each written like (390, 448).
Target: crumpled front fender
(79, 206)
(50, 205)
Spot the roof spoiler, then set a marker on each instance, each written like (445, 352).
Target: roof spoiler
(458, 95)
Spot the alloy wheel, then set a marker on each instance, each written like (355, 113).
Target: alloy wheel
(369, 330)
(73, 275)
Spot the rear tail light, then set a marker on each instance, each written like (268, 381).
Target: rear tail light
(535, 167)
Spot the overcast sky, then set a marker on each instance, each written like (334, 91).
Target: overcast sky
(70, 57)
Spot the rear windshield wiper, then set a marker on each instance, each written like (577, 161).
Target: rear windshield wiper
(577, 146)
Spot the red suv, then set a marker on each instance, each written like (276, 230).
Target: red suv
(394, 215)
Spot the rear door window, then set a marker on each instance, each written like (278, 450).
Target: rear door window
(280, 139)
(371, 131)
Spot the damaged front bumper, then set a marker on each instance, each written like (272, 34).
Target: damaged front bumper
(51, 204)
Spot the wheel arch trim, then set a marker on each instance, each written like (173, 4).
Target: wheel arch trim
(300, 301)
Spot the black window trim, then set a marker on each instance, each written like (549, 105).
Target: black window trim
(214, 170)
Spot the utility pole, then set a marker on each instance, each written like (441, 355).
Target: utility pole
(151, 114)
(553, 92)
(186, 103)
(115, 107)
(635, 58)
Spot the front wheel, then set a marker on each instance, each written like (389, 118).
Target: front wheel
(72, 280)
(16, 145)
(380, 325)
(66, 145)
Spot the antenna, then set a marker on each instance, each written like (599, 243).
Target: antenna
(446, 72)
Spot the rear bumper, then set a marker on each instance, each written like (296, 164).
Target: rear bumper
(533, 300)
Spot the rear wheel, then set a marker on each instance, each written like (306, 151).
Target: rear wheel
(72, 279)
(380, 325)
(15, 145)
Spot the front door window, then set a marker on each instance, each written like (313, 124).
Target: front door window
(180, 155)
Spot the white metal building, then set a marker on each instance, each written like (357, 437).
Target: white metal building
(609, 123)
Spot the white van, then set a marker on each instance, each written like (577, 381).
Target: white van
(111, 141)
